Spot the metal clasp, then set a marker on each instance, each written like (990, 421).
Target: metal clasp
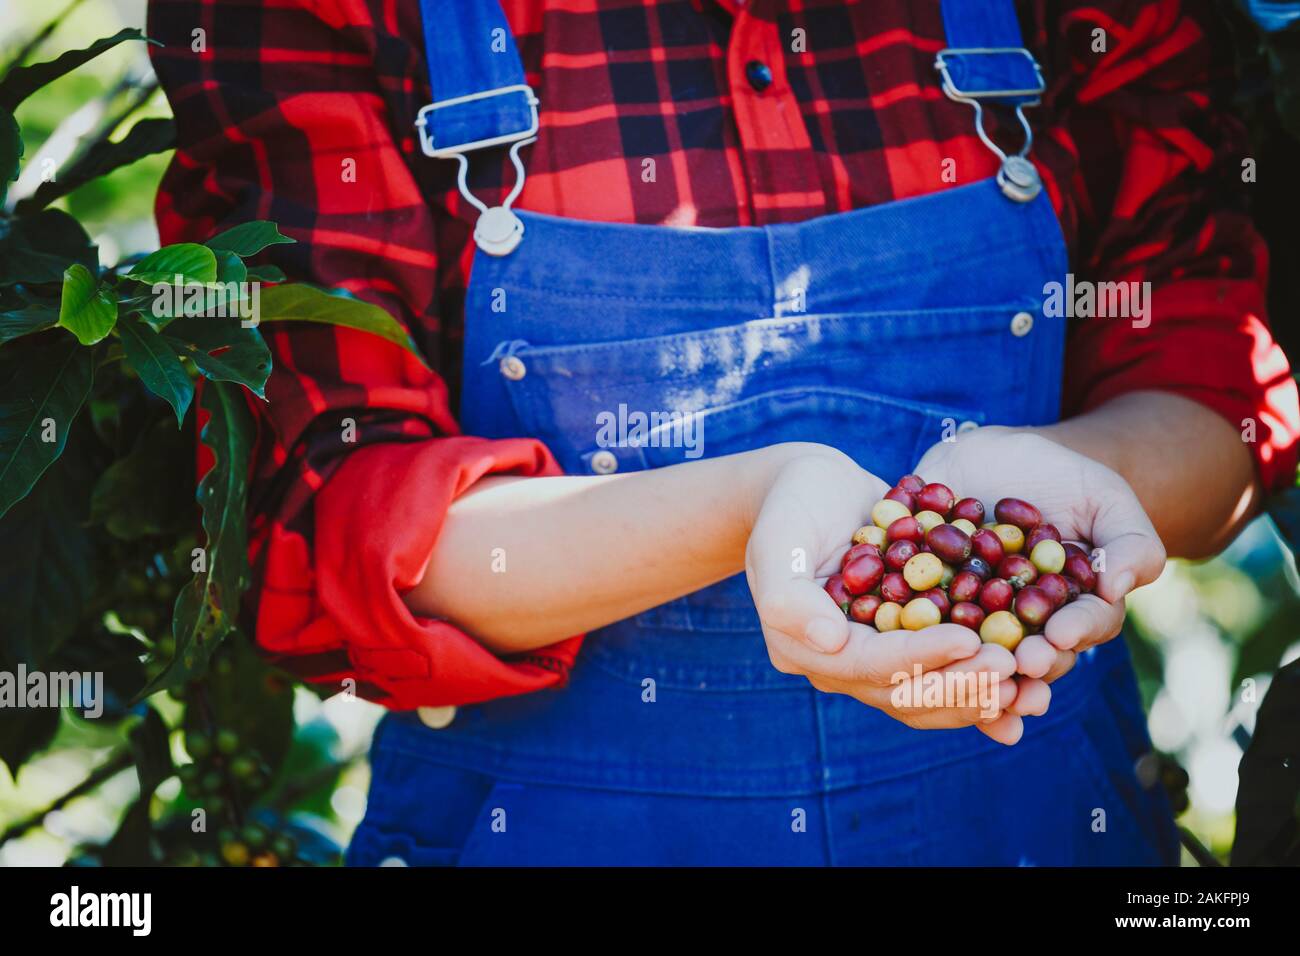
(441, 152)
(1017, 177)
(498, 230)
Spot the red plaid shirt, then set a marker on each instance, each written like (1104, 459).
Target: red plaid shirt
(285, 97)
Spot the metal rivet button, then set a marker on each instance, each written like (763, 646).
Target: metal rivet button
(604, 463)
(436, 718)
(513, 368)
(968, 426)
(1021, 323)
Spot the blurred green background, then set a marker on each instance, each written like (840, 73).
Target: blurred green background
(1206, 636)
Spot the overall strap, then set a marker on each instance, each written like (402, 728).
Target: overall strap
(480, 96)
(986, 60)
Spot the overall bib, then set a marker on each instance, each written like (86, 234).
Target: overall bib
(675, 741)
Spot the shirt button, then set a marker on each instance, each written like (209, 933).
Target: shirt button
(436, 718)
(1021, 323)
(967, 426)
(392, 861)
(759, 75)
(604, 463)
(513, 368)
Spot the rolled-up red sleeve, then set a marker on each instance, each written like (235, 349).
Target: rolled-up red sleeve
(283, 116)
(1163, 178)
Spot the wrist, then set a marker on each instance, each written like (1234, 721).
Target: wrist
(760, 469)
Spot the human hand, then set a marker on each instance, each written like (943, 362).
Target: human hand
(1086, 501)
(797, 540)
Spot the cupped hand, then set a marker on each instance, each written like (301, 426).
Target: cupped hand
(1087, 502)
(798, 537)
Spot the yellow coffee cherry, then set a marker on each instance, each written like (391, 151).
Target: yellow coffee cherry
(966, 525)
(1048, 556)
(923, 571)
(949, 572)
(870, 534)
(920, 612)
(887, 511)
(889, 616)
(1012, 538)
(928, 520)
(1003, 628)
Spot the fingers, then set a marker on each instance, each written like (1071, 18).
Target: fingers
(1065, 661)
(1084, 623)
(1035, 656)
(1005, 729)
(1132, 560)
(1032, 698)
(801, 609)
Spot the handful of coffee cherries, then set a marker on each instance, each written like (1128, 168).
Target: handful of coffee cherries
(928, 557)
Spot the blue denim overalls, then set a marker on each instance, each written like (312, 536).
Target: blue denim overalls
(675, 741)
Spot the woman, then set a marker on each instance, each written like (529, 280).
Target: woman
(871, 282)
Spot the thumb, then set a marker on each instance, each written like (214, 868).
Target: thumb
(1132, 554)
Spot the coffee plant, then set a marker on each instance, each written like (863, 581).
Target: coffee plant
(108, 562)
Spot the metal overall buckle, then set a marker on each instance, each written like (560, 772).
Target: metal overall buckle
(498, 230)
(1017, 177)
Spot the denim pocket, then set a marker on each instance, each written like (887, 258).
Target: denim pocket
(867, 384)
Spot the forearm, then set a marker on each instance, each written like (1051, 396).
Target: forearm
(1188, 465)
(524, 562)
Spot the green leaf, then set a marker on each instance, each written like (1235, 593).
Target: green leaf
(38, 249)
(297, 302)
(189, 260)
(230, 268)
(21, 82)
(223, 350)
(147, 137)
(208, 605)
(249, 238)
(11, 151)
(143, 493)
(86, 310)
(25, 733)
(49, 563)
(26, 321)
(157, 365)
(43, 383)
(266, 273)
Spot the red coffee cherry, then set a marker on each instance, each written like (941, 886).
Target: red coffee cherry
(894, 587)
(1079, 570)
(972, 509)
(1055, 587)
(905, 529)
(952, 545)
(996, 595)
(1033, 606)
(903, 497)
(863, 574)
(940, 601)
(965, 586)
(899, 553)
(936, 497)
(1019, 513)
(863, 609)
(857, 551)
(912, 483)
(967, 615)
(1017, 570)
(838, 592)
(1041, 533)
(987, 546)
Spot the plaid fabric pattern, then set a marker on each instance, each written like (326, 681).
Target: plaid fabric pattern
(655, 111)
